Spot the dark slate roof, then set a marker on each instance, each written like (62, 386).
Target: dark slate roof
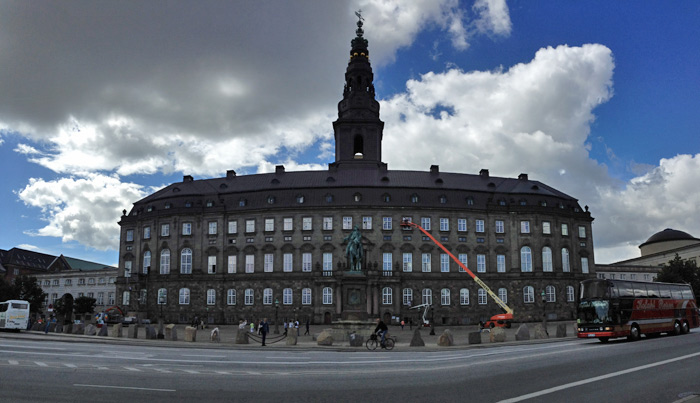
(669, 235)
(26, 258)
(84, 265)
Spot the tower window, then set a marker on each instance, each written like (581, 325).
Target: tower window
(358, 145)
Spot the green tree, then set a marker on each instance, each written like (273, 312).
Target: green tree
(678, 270)
(7, 291)
(28, 289)
(83, 305)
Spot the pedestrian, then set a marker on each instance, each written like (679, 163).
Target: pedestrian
(264, 329)
(296, 325)
(285, 327)
(307, 327)
(402, 323)
(410, 324)
(290, 325)
(252, 327)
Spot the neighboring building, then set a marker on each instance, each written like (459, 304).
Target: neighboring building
(245, 247)
(21, 262)
(657, 251)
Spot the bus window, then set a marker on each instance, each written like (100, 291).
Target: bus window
(653, 290)
(614, 291)
(640, 291)
(676, 292)
(625, 288)
(4, 306)
(594, 289)
(687, 292)
(18, 305)
(665, 291)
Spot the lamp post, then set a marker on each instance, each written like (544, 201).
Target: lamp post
(432, 321)
(277, 323)
(544, 311)
(161, 302)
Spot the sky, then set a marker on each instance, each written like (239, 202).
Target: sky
(105, 102)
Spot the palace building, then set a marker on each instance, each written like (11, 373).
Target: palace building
(274, 244)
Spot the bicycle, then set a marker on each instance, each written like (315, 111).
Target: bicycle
(373, 342)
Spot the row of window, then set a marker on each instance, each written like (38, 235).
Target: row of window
(81, 281)
(347, 224)
(623, 276)
(549, 295)
(99, 300)
(327, 258)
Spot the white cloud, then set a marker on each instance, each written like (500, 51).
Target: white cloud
(494, 17)
(85, 210)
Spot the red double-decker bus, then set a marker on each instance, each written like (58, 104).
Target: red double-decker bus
(617, 308)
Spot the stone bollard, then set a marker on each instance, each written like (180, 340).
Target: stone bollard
(417, 340)
(446, 339)
(325, 338)
(104, 331)
(561, 330)
(79, 328)
(116, 330)
(190, 334)
(55, 327)
(356, 340)
(150, 332)
(540, 332)
(133, 331)
(90, 330)
(474, 337)
(497, 335)
(170, 332)
(292, 338)
(523, 333)
(242, 336)
(67, 329)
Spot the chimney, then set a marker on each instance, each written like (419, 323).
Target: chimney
(187, 178)
(230, 174)
(434, 169)
(522, 177)
(484, 173)
(279, 169)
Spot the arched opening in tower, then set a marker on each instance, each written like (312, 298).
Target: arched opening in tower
(358, 147)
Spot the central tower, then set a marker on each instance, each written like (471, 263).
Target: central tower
(358, 130)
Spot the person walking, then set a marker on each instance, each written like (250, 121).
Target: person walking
(264, 330)
(307, 327)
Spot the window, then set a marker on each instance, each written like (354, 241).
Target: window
(386, 223)
(268, 261)
(186, 261)
(130, 235)
(584, 265)
(414, 198)
(366, 222)
(211, 296)
(347, 222)
(329, 198)
(547, 259)
(425, 260)
(462, 257)
(462, 224)
(524, 227)
(443, 199)
(481, 263)
(233, 227)
(249, 263)
(566, 267)
(186, 228)
(165, 261)
(81, 281)
(581, 231)
(127, 271)
(480, 226)
(126, 298)
(550, 294)
(327, 262)
(306, 262)
(100, 298)
(444, 224)
(503, 295)
(211, 264)
(525, 259)
(110, 298)
(406, 219)
(287, 224)
(306, 224)
(546, 227)
(425, 223)
(162, 296)
(570, 296)
(407, 296)
(232, 263)
(269, 224)
(67, 282)
(500, 227)
(387, 296)
(248, 296)
(212, 228)
(249, 226)
(408, 262)
(386, 261)
(184, 296)
(481, 295)
(445, 297)
(565, 230)
(300, 199)
(444, 263)
(146, 261)
(231, 297)
(287, 262)
(464, 296)
(287, 296)
(327, 223)
(147, 232)
(267, 296)
(306, 296)
(327, 295)
(143, 294)
(501, 263)
(55, 282)
(165, 230)
(427, 296)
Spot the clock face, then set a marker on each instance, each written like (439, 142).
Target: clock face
(354, 297)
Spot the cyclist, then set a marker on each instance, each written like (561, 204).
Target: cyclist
(381, 330)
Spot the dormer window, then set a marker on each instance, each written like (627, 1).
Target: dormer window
(300, 199)
(271, 199)
(242, 203)
(470, 201)
(386, 198)
(357, 197)
(443, 199)
(414, 198)
(329, 198)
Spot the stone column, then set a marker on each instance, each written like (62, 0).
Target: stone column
(368, 297)
(375, 300)
(338, 299)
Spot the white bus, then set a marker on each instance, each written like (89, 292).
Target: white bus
(14, 314)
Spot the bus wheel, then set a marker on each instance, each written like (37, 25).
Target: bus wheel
(684, 328)
(603, 339)
(676, 328)
(634, 333)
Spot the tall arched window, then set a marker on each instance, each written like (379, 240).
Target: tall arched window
(427, 296)
(445, 296)
(249, 296)
(481, 294)
(287, 296)
(550, 293)
(464, 296)
(306, 296)
(162, 296)
(165, 261)
(231, 296)
(146, 261)
(503, 295)
(267, 296)
(211, 296)
(387, 296)
(186, 261)
(528, 295)
(407, 296)
(546, 259)
(566, 266)
(327, 295)
(570, 294)
(525, 259)
(184, 296)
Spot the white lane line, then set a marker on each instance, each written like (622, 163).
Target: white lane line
(13, 362)
(596, 379)
(41, 364)
(33, 347)
(70, 365)
(253, 373)
(103, 368)
(191, 371)
(165, 371)
(223, 373)
(132, 369)
(122, 387)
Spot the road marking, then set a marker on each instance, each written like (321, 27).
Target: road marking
(165, 371)
(132, 369)
(253, 373)
(223, 372)
(13, 362)
(122, 387)
(70, 365)
(596, 379)
(41, 364)
(102, 368)
(191, 371)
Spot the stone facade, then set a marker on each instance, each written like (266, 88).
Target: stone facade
(272, 245)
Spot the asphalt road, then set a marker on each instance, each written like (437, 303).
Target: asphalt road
(570, 370)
